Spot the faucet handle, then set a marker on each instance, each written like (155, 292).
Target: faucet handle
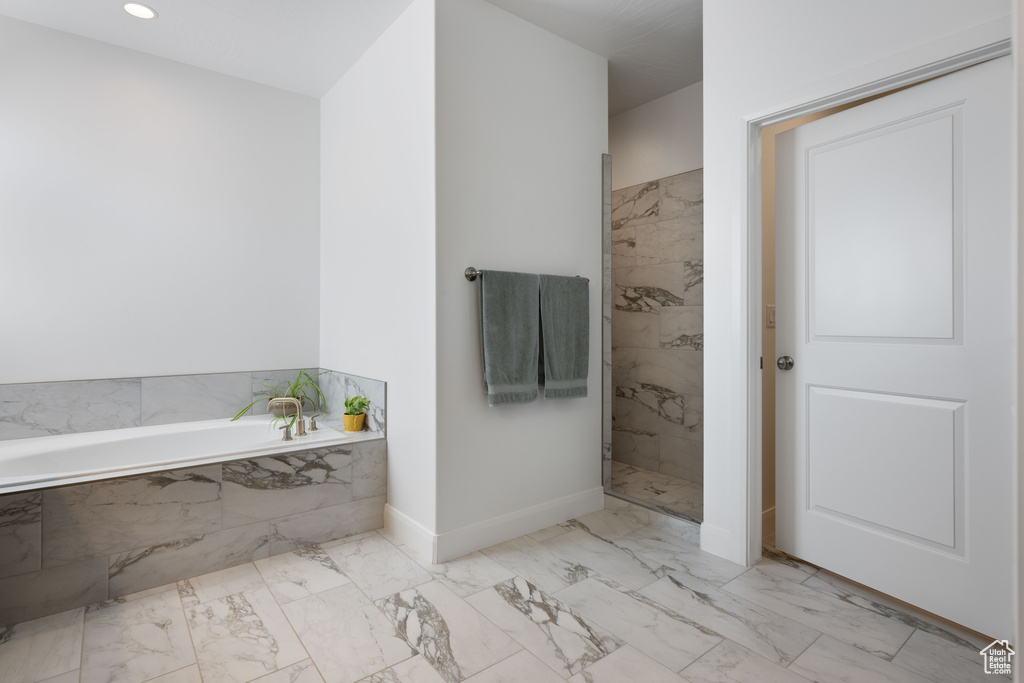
(312, 423)
(287, 433)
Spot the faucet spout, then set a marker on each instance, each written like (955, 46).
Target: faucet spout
(300, 424)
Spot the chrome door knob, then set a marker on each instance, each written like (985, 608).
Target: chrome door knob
(784, 363)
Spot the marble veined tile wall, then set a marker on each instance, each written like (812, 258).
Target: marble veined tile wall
(657, 325)
(43, 409)
(70, 546)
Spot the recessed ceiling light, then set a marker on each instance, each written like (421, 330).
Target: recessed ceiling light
(139, 10)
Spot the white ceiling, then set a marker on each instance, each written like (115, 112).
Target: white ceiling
(653, 46)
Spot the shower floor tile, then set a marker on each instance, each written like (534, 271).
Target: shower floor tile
(674, 495)
(594, 600)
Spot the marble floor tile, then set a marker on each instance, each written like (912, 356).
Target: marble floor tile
(413, 670)
(626, 664)
(867, 630)
(376, 566)
(729, 662)
(833, 661)
(456, 640)
(135, 640)
(559, 637)
(626, 509)
(465, 575)
(768, 634)
(42, 648)
(303, 672)
(665, 548)
(938, 659)
(301, 573)
(226, 582)
(518, 668)
(603, 524)
(346, 635)
(548, 532)
(537, 563)
(189, 674)
(74, 676)
(242, 636)
(667, 636)
(784, 566)
(605, 557)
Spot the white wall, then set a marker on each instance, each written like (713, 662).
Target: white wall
(760, 58)
(377, 244)
(521, 127)
(144, 207)
(662, 138)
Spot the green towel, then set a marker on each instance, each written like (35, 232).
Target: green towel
(511, 335)
(565, 325)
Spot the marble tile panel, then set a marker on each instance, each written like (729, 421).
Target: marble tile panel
(636, 447)
(673, 241)
(287, 484)
(682, 328)
(369, 469)
(346, 635)
(143, 568)
(682, 194)
(635, 205)
(520, 667)
(681, 369)
(107, 517)
(42, 648)
(219, 584)
(832, 661)
(861, 596)
(456, 640)
(184, 398)
(665, 285)
(683, 458)
(559, 637)
(538, 563)
(303, 672)
(605, 557)
(867, 630)
(624, 508)
(29, 596)
(242, 636)
(655, 409)
(547, 532)
(668, 636)
(626, 664)
(136, 640)
(43, 409)
(635, 329)
(604, 524)
(413, 670)
(465, 575)
(667, 549)
(762, 631)
(301, 573)
(938, 659)
(732, 663)
(681, 528)
(624, 247)
(21, 528)
(624, 362)
(337, 386)
(378, 567)
(327, 524)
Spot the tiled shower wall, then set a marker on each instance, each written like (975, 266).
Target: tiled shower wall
(43, 409)
(658, 326)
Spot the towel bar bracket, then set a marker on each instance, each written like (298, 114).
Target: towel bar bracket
(472, 273)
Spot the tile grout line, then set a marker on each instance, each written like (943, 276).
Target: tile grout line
(287, 619)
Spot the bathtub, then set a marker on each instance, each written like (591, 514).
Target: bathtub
(27, 464)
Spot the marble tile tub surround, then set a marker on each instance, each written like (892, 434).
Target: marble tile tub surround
(69, 546)
(47, 408)
(657, 327)
(599, 599)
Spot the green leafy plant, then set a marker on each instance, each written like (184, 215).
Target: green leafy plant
(304, 388)
(356, 405)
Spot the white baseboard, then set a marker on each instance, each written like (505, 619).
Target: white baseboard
(409, 532)
(456, 543)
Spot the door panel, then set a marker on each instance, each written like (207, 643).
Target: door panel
(894, 276)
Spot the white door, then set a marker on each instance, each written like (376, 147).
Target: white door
(894, 299)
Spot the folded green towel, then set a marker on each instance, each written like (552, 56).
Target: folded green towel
(565, 325)
(511, 335)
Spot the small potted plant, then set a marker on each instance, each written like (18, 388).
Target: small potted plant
(304, 388)
(355, 413)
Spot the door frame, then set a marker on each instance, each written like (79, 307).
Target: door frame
(753, 234)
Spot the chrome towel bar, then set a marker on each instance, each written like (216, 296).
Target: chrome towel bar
(472, 273)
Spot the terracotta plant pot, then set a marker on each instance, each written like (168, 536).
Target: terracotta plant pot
(354, 423)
